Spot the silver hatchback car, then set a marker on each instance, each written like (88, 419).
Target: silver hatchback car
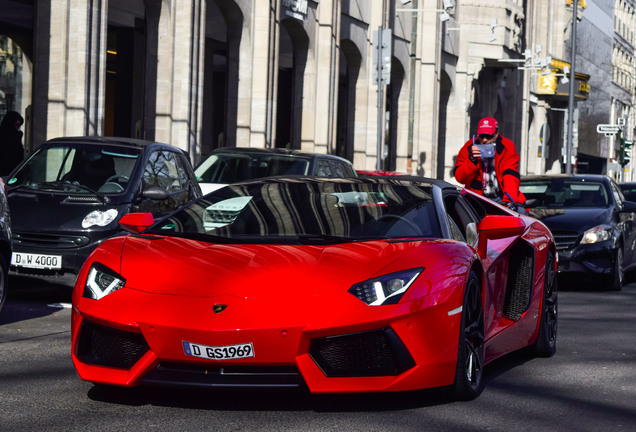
(231, 165)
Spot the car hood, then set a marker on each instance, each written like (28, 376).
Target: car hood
(186, 267)
(580, 220)
(53, 213)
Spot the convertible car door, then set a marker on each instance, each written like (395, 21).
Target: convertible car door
(496, 263)
(465, 217)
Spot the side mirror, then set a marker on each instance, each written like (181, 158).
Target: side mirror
(136, 222)
(155, 193)
(496, 227)
(628, 207)
(531, 203)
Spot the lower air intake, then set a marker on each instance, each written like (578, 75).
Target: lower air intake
(104, 346)
(371, 353)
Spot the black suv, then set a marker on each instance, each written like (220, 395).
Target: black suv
(70, 194)
(231, 165)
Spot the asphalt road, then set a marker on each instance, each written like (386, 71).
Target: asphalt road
(589, 385)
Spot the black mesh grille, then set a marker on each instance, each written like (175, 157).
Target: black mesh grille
(81, 199)
(372, 353)
(565, 239)
(104, 346)
(41, 240)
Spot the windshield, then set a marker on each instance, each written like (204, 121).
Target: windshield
(306, 212)
(229, 168)
(566, 193)
(82, 169)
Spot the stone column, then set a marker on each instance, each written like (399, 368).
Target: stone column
(153, 15)
(367, 159)
(458, 116)
(69, 74)
(535, 164)
(180, 74)
(258, 74)
(324, 90)
(234, 46)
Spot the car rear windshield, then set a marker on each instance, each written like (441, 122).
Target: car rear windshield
(307, 212)
(562, 193)
(81, 169)
(235, 167)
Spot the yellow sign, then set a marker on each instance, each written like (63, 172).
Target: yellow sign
(582, 3)
(547, 84)
(551, 85)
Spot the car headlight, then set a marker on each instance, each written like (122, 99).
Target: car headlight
(102, 281)
(387, 289)
(597, 234)
(99, 218)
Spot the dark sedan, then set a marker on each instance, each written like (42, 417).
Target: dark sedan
(70, 194)
(592, 223)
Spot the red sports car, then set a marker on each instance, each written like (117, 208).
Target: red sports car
(337, 285)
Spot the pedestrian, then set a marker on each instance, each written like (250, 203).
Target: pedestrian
(490, 166)
(11, 149)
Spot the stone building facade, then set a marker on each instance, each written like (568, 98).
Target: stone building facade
(300, 73)
(606, 35)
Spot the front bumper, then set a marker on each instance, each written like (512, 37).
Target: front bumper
(72, 248)
(402, 347)
(595, 259)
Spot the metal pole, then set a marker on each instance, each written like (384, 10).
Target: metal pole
(378, 165)
(412, 75)
(568, 152)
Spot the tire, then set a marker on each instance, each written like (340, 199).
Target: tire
(618, 276)
(545, 346)
(470, 351)
(4, 281)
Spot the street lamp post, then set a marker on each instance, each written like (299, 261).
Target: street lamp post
(569, 144)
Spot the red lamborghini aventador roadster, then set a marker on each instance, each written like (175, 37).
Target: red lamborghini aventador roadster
(337, 285)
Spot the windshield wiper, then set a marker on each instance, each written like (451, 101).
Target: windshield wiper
(11, 188)
(67, 185)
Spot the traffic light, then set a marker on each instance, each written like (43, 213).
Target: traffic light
(625, 153)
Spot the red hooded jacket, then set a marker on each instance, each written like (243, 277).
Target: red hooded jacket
(469, 172)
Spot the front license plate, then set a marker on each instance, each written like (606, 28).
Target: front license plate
(227, 352)
(37, 261)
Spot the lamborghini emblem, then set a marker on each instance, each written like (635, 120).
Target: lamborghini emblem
(218, 308)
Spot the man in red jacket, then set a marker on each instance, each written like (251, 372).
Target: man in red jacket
(490, 165)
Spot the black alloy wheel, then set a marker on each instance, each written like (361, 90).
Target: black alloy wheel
(470, 353)
(618, 275)
(545, 346)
